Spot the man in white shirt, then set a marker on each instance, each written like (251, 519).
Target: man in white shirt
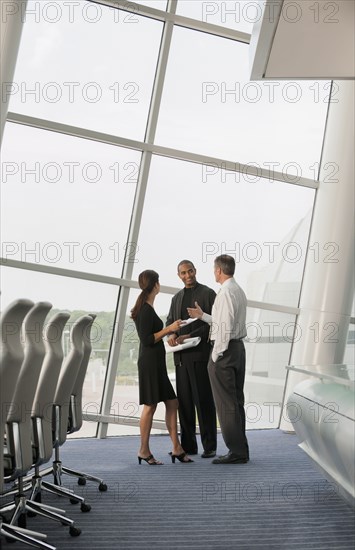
(226, 367)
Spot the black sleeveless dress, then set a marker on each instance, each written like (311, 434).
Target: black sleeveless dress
(154, 384)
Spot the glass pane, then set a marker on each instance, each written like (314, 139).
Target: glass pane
(125, 400)
(87, 65)
(349, 356)
(268, 346)
(209, 106)
(198, 212)
(238, 14)
(66, 201)
(77, 297)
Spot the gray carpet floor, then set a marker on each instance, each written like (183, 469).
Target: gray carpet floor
(276, 501)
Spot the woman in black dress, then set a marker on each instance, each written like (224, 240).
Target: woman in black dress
(154, 384)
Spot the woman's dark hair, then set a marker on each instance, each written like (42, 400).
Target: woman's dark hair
(147, 281)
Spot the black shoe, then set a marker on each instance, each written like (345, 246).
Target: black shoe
(149, 460)
(230, 458)
(208, 454)
(187, 452)
(181, 458)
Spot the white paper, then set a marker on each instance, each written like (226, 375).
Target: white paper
(187, 321)
(188, 343)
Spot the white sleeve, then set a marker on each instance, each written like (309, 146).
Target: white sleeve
(224, 326)
(207, 318)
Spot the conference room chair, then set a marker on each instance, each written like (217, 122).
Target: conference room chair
(15, 454)
(61, 403)
(75, 420)
(41, 415)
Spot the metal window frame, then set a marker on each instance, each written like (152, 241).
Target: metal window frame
(169, 15)
(149, 147)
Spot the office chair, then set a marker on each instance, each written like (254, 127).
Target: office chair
(75, 420)
(19, 451)
(12, 360)
(41, 415)
(61, 401)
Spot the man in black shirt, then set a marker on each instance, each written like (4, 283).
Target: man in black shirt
(192, 380)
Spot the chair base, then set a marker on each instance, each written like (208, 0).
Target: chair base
(83, 477)
(31, 538)
(23, 506)
(57, 489)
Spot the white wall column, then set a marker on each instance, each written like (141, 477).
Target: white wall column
(12, 17)
(328, 283)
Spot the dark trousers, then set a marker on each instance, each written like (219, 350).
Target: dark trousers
(227, 381)
(194, 390)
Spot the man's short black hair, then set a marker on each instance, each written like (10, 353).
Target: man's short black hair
(185, 262)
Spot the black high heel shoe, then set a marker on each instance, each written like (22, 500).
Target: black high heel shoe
(147, 459)
(181, 458)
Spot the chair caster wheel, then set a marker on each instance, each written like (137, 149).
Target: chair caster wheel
(81, 481)
(74, 531)
(73, 501)
(85, 507)
(103, 487)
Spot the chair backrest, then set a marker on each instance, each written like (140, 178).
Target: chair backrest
(11, 348)
(19, 414)
(11, 358)
(42, 407)
(67, 377)
(76, 406)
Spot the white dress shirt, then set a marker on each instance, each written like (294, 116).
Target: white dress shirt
(227, 318)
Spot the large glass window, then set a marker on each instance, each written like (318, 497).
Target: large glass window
(270, 335)
(209, 106)
(87, 65)
(66, 201)
(198, 212)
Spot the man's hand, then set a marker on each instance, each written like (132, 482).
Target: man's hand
(195, 312)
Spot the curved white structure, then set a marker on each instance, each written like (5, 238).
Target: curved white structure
(324, 413)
